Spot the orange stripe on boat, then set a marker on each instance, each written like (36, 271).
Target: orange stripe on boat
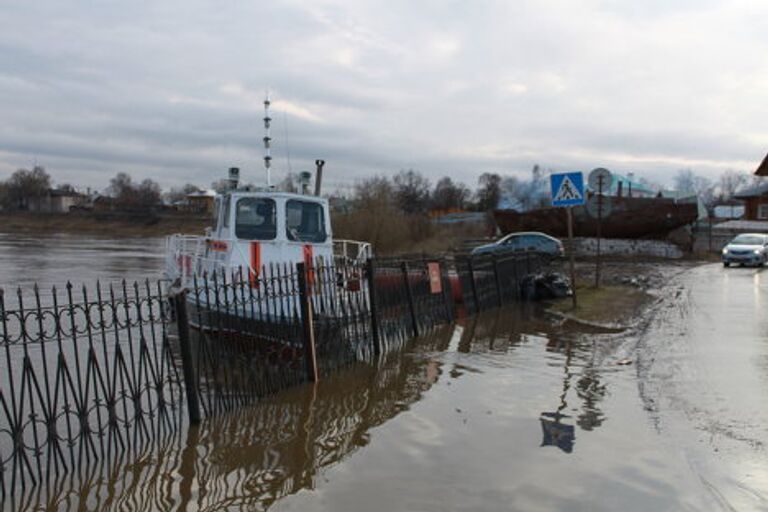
(218, 245)
(255, 264)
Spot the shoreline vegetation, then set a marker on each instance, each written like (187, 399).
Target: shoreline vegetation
(392, 233)
(116, 225)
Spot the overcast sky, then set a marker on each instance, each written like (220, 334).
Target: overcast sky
(172, 90)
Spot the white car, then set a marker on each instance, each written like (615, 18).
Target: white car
(746, 249)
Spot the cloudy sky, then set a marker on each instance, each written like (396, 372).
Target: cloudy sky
(172, 90)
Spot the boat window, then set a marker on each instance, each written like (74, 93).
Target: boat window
(305, 221)
(256, 219)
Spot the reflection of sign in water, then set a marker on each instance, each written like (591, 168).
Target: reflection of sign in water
(556, 433)
(435, 283)
(567, 189)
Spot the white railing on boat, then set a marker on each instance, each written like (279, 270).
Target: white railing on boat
(352, 250)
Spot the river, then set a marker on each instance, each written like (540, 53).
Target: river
(509, 410)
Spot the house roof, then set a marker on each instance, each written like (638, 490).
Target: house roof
(755, 191)
(762, 169)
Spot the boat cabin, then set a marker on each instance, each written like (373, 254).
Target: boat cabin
(253, 230)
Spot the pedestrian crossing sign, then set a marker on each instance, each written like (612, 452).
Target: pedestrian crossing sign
(567, 189)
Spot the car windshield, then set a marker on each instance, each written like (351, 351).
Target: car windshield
(305, 221)
(255, 219)
(748, 240)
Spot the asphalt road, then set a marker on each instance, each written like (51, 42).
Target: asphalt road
(703, 377)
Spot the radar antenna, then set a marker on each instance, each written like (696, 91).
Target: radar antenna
(267, 141)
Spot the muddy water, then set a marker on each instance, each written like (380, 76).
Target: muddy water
(54, 259)
(505, 411)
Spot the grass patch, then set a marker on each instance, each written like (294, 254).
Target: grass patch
(609, 304)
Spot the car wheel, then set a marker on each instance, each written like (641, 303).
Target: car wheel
(726, 264)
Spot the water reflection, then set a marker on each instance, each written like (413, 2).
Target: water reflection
(252, 459)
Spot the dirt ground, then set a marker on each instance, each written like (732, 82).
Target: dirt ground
(627, 289)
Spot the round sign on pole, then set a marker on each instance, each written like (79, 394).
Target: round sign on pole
(595, 209)
(600, 180)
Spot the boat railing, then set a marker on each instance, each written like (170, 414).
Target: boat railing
(352, 251)
(186, 257)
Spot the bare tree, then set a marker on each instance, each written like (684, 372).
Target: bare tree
(24, 184)
(411, 191)
(376, 192)
(131, 196)
(730, 182)
(489, 191)
(688, 181)
(448, 195)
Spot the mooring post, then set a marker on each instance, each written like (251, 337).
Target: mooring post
(495, 260)
(188, 370)
(409, 295)
(472, 283)
(308, 328)
(371, 271)
(447, 291)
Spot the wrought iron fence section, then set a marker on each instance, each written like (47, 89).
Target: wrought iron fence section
(84, 375)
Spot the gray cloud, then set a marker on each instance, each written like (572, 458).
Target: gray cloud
(172, 90)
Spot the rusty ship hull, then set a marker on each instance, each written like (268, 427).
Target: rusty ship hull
(631, 217)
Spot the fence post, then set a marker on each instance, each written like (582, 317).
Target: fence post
(409, 295)
(472, 282)
(495, 260)
(371, 270)
(188, 370)
(447, 290)
(308, 328)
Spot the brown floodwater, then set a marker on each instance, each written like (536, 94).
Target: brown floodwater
(508, 410)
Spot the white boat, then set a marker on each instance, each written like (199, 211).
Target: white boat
(258, 236)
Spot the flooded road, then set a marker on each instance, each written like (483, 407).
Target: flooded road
(509, 410)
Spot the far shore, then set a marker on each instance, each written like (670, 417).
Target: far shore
(111, 224)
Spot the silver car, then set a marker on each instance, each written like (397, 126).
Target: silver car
(524, 241)
(746, 249)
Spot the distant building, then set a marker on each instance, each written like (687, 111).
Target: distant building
(755, 201)
(55, 201)
(202, 202)
(762, 169)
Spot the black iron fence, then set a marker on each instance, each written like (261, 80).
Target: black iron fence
(88, 374)
(493, 279)
(84, 375)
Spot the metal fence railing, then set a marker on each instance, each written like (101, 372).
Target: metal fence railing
(82, 375)
(86, 373)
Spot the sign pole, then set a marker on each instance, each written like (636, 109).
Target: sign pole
(568, 191)
(599, 228)
(571, 255)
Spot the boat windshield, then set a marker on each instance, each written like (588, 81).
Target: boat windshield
(256, 219)
(305, 221)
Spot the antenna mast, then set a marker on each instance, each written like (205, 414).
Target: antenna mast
(267, 141)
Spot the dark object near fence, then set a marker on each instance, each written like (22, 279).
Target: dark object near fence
(551, 285)
(86, 377)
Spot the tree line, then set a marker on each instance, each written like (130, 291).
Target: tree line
(408, 191)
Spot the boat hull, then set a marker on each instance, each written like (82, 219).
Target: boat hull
(631, 217)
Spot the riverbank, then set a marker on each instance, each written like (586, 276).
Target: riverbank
(114, 225)
(627, 289)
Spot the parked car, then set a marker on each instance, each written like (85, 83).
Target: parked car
(524, 241)
(746, 249)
